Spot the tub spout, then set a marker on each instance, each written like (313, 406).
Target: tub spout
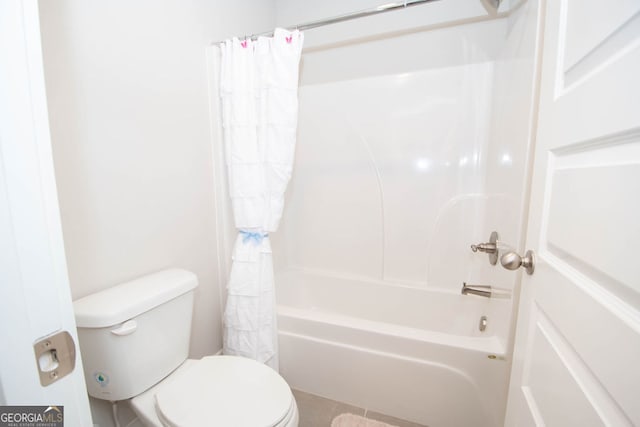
(485, 291)
(480, 290)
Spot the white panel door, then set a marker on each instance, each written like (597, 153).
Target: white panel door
(35, 300)
(578, 335)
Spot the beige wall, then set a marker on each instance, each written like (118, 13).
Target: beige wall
(127, 93)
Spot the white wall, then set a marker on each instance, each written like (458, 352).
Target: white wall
(128, 103)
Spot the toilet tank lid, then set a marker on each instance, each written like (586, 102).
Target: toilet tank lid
(127, 300)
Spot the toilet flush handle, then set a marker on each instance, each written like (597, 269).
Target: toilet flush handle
(126, 328)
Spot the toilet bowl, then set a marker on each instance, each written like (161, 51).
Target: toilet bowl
(244, 393)
(134, 341)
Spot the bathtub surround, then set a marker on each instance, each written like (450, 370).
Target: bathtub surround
(426, 168)
(259, 93)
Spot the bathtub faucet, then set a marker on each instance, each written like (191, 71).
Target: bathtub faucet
(490, 248)
(485, 291)
(480, 290)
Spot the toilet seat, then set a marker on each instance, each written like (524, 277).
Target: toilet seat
(226, 391)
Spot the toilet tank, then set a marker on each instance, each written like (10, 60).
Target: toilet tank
(134, 334)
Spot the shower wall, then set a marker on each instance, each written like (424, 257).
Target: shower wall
(383, 166)
(394, 143)
(512, 131)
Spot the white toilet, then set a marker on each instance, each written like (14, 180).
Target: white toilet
(134, 340)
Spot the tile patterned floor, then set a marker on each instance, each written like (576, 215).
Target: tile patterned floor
(316, 411)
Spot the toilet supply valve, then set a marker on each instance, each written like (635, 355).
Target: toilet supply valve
(490, 247)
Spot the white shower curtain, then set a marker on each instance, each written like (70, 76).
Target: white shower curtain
(259, 91)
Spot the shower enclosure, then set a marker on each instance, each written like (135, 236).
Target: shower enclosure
(413, 144)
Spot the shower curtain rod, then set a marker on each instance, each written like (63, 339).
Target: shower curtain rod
(346, 17)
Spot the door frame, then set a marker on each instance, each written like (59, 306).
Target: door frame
(35, 297)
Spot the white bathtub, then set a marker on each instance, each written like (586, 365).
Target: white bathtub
(411, 353)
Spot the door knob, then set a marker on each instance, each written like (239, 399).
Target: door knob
(513, 261)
